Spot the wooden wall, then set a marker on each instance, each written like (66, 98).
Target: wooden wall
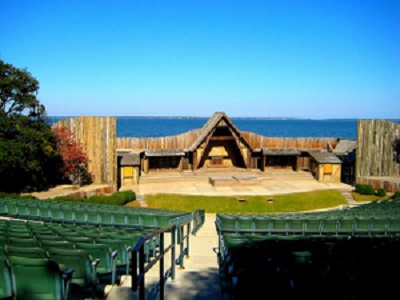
(97, 135)
(256, 141)
(180, 141)
(259, 141)
(374, 148)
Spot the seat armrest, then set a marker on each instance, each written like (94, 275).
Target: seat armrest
(67, 274)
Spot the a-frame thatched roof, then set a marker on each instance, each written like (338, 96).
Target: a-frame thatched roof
(210, 126)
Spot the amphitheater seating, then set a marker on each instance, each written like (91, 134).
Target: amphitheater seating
(348, 253)
(94, 240)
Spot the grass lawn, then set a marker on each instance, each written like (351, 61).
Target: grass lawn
(133, 204)
(367, 198)
(295, 202)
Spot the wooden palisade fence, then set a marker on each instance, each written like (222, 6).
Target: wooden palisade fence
(375, 155)
(376, 163)
(97, 135)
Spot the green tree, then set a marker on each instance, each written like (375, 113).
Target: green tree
(28, 156)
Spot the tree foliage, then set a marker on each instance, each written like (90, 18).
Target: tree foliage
(28, 157)
(75, 161)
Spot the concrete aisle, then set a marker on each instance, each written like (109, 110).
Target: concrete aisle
(198, 280)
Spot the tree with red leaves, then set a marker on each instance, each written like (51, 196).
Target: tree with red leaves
(75, 161)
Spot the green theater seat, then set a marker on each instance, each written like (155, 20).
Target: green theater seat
(49, 281)
(5, 279)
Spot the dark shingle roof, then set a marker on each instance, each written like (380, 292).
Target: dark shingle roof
(129, 158)
(325, 157)
(281, 151)
(345, 146)
(164, 152)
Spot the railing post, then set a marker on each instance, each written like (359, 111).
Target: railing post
(141, 272)
(173, 252)
(181, 247)
(188, 240)
(162, 266)
(134, 277)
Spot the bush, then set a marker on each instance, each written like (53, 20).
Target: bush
(396, 195)
(126, 196)
(69, 198)
(100, 199)
(16, 196)
(365, 189)
(381, 192)
(117, 198)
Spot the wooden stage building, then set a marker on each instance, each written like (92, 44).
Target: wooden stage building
(220, 145)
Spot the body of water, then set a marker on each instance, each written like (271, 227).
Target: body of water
(167, 126)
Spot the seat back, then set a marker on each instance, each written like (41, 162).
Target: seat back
(76, 259)
(47, 283)
(120, 219)
(5, 279)
(32, 252)
(123, 258)
(26, 242)
(100, 251)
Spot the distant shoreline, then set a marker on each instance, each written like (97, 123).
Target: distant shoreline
(234, 118)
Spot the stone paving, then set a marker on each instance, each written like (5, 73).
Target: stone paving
(270, 187)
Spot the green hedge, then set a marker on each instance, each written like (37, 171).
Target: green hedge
(365, 189)
(396, 195)
(117, 198)
(381, 192)
(16, 196)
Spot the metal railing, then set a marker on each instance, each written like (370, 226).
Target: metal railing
(198, 220)
(141, 261)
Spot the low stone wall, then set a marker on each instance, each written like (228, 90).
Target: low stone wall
(390, 184)
(234, 181)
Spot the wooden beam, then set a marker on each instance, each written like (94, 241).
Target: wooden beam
(222, 138)
(194, 162)
(263, 163)
(237, 141)
(181, 162)
(146, 165)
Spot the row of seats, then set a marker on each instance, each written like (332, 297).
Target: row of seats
(339, 267)
(348, 226)
(385, 209)
(80, 204)
(352, 221)
(86, 213)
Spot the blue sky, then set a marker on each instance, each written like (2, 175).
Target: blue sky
(306, 59)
